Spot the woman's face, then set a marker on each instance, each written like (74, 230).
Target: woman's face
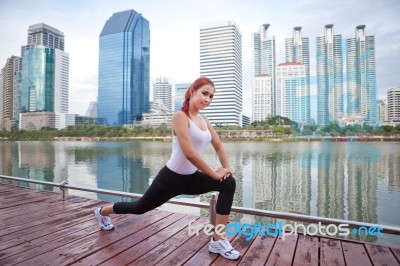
(202, 98)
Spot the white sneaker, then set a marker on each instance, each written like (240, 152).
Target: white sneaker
(224, 248)
(104, 221)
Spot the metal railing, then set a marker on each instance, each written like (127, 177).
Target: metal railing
(388, 229)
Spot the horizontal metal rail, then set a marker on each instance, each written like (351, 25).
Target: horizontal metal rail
(388, 229)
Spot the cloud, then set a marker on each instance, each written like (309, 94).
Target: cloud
(174, 27)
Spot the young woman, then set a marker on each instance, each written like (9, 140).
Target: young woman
(186, 172)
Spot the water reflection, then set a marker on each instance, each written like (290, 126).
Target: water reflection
(344, 180)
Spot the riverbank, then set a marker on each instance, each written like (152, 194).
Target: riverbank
(225, 139)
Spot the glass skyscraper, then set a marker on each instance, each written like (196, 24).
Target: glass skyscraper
(292, 96)
(361, 77)
(124, 69)
(221, 61)
(264, 80)
(297, 50)
(45, 71)
(329, 77)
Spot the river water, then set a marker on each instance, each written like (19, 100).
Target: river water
(358, 181)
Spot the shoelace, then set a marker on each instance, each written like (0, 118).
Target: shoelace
(230, 249)
(106, 220)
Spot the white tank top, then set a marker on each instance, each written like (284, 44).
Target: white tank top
(200, 140)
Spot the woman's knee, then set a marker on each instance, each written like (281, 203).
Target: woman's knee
(230, 184)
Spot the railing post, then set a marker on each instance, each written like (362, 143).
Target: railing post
(63, 189)
(213, 203)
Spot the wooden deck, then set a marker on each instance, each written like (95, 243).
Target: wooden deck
(39, 228)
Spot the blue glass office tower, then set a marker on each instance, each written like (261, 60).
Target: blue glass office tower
(329, 77)
(38, 76)
(361, 76)
(124, 64)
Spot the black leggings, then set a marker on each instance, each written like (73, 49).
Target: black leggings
(169, 184)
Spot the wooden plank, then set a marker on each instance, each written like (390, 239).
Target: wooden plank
(283, 251)
(29, 243)
(396, 252)
(27, 208)
(69, 234)
(42, 255)
(331, 252)
(259, 251)
(355, 254)
(240, 244)
(28, 235)
(185, 252)
(56, 218)
(150, 240)
(170, 245)
(110, 243)
(381, 255)
(38, 212)
(22, 202)
(202, 256)
(306, 251)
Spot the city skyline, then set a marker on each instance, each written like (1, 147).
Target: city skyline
(175, 52)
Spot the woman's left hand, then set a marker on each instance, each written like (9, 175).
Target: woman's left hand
(228, 173)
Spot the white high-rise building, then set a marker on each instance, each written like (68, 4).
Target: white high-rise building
(221, 61)
(382, 110)
(292, 96)
(329, 77)
(264, 67)
(162, 93)
(393, 99)
(11, 93)
(298, 50)
(262, 97)
(361, 76)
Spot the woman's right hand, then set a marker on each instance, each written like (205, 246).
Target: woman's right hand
(221, 174)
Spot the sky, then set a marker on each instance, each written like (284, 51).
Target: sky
(175, 30)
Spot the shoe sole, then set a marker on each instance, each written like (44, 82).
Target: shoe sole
(223, 255)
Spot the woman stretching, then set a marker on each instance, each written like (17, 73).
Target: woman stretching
(186, 172)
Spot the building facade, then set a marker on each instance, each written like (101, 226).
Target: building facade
(329, 77)
(297, 49)
(180, 90)
(162, 93)
(92, 110)
(221, 61)
(124, 69)
(11, 93)
(1, 99)
(393, 100)
(361, 76)
(382, 114)
(292, 94)
(264, 68)
(45, 72)
(263, 97)
(44, 35)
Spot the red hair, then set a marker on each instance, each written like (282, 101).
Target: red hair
(197, 84)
